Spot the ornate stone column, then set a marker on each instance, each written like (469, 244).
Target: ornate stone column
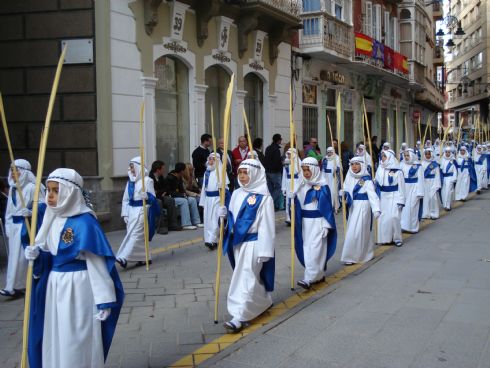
(149, 84)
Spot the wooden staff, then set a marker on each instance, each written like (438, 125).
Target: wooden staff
(405, 127)
(335, 161)
(291, 185)
(143, 175)
(249, 139)
(429, 122)
(397, 138)
(459, 137)
(15, 173)
(441, 143)
(214, 143)
(388, 129)
(339, 116)
(420, 131)
(35, 202)
(226, 128)
(372, 163)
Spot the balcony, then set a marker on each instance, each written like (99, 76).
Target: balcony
(439, 55)
(281, 9)
(437, 12)
(431, 96)
(326, 37)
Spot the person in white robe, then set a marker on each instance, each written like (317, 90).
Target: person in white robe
(417, 151)
(132, 248)
(414, 191)
(362, 152)
(331, 172)
(77, 297)
(486, 161)
(315, 229)
(291, 156)
(15, 216)
(432, 184)
(385, 147)
(449, 175)
(391, 185)
(403, 148)
(363, 204)
(437, 149)
(466, 181)
(210, 199)
(479, 159)
(249, 244)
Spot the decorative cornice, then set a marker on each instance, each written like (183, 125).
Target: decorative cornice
(175, 47)
(255, 65)
(221, 57)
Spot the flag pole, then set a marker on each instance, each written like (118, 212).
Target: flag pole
(15, 173)
(226, 128)
(143, 188)
(35, 202)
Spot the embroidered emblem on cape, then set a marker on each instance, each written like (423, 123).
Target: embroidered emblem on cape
(67, 236)
(316, 187)
(392, 173)
(252, 200)
(361, 182)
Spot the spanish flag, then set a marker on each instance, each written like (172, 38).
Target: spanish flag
(364, 44)
(404, 64)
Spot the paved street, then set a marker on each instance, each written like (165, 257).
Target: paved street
(423, 305)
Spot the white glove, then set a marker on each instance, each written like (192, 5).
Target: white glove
(377, 214)
(103, 314)
(341, 192)
(324, 232)
(222, 212)
(31, 252)
(144, 195)
(262, 259)
(290, 194)
(126, 219)
(26, 212)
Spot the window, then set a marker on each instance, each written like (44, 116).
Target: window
(311, 5)
(311, 26)
(310, 122)
(395, 34)
(368, 19)
(377, 22)
(338, 9)
(387, 29)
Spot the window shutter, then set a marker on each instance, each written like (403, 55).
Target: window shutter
(387, 29)
(369, 18)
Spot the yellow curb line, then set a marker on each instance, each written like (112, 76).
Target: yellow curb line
(186, 243)
(219, 344)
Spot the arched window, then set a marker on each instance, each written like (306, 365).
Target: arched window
(254, 104)
(405, 14)
(172, 110)
(217, 80)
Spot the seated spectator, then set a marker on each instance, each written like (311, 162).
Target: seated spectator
(189, 213)
(168, 203)
(190, 182)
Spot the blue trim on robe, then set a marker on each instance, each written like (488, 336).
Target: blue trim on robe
(288, 174)
(468, 164)
(357, 197)
(324, 205)
(153, 213)
(89, 237)
(236, 233)
(428, 170)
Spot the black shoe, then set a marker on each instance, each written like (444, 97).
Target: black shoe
(163, 231)
(175, 228)
(398, 244)
(304, 284)
(122, 262)
(143, 263)
(288, 223)
(215, 246)
(209, 246)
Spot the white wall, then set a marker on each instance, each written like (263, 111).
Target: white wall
(126, 86)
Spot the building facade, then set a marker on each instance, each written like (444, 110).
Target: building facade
(466, 75)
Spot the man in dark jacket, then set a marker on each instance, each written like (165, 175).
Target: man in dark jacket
(168, 203)
(189, 213)
(273, 170)
(200, 157)
(257, 145)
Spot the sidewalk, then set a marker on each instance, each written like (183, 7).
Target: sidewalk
(424, 305)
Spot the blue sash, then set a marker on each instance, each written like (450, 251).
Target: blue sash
(214, 193)
(428, 170)
(411, 180)
(80, 233)
(237, 233)
(388, 188)
(17, 219)
(324, 207)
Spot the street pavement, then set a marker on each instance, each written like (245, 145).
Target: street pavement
(422, 305)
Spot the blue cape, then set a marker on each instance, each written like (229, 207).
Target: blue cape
(468, 164)
(89, 237)
(153, 212)
(325, 207)
(236, 232)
